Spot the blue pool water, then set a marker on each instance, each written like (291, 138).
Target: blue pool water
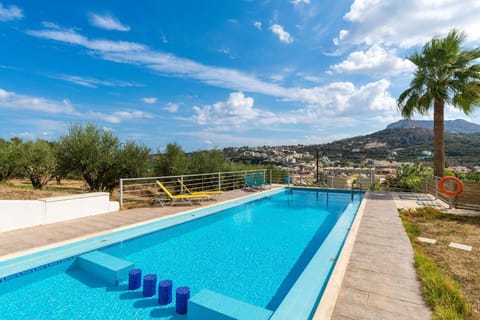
(253, 252)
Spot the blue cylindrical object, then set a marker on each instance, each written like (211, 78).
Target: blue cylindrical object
(165, 292)
(149, 285)
(134, 279)
(181, 300)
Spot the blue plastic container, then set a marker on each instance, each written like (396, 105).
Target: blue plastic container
(134, 279)
(181, 300)
(165, 292)
(149, 285)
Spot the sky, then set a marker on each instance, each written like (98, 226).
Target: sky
(214, 73)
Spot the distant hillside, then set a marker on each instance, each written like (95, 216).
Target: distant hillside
(402, 144)
(454, 126)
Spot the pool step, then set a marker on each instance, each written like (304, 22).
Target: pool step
(214, 306)
(104, 266)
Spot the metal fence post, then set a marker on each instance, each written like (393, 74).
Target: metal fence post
(219, 181)
(121, 192)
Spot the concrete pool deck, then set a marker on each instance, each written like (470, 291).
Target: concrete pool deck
(380, 281)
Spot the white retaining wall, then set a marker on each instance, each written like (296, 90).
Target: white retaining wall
(17, 214)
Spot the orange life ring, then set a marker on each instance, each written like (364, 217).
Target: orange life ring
(457, 181)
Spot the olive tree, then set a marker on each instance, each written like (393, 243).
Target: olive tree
(173, 162)
(99, 157)
(10, 157)
(38, 162)
(207, 161)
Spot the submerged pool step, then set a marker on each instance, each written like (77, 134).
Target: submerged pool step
(104, 266)
(214, 306)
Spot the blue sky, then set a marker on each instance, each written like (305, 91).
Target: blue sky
(208, 74)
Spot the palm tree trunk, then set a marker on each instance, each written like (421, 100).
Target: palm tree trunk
(438, 138)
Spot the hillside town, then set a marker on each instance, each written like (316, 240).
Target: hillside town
(302, 166)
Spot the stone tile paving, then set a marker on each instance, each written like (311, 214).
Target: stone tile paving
(381, 282)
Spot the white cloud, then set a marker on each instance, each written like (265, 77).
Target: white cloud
(283, 35)
(375, 60)
(172, 107)
(407, 23)
(50, 25)
(150, 100)
(22, 102)
(107, 22)
(277, 77)
(179, 67)
(295, 2)
(118, 116)
(134, 53)
(10, 13)
(27, 135)
(225, 51)
(235, 111)
(92, 82)
(72, 37)
(258, 25)
(341, 98)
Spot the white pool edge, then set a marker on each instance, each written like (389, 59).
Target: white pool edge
(329, 298)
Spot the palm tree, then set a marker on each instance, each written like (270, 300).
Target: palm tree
(446, 74)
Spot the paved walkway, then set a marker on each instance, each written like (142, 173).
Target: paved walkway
(381, 282)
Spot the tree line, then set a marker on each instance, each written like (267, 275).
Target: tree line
(101, 159)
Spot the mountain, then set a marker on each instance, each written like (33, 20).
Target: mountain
(401, 141)
(402, 144)
(454, 126)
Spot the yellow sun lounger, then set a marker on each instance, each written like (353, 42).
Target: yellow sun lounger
(214, 193)
(184, 197)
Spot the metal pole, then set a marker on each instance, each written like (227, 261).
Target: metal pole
(219, 181)
(318, 182)
(121, 192)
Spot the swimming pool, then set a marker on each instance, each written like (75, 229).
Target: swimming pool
(258, 251)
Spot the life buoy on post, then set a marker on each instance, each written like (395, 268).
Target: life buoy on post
(457, 181)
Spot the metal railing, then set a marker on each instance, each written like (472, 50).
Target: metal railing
(138, 191)
(141, 190)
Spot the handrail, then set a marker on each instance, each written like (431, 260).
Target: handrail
(136, 189)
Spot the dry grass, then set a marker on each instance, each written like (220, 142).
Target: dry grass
(21, 189)
(462, 266)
